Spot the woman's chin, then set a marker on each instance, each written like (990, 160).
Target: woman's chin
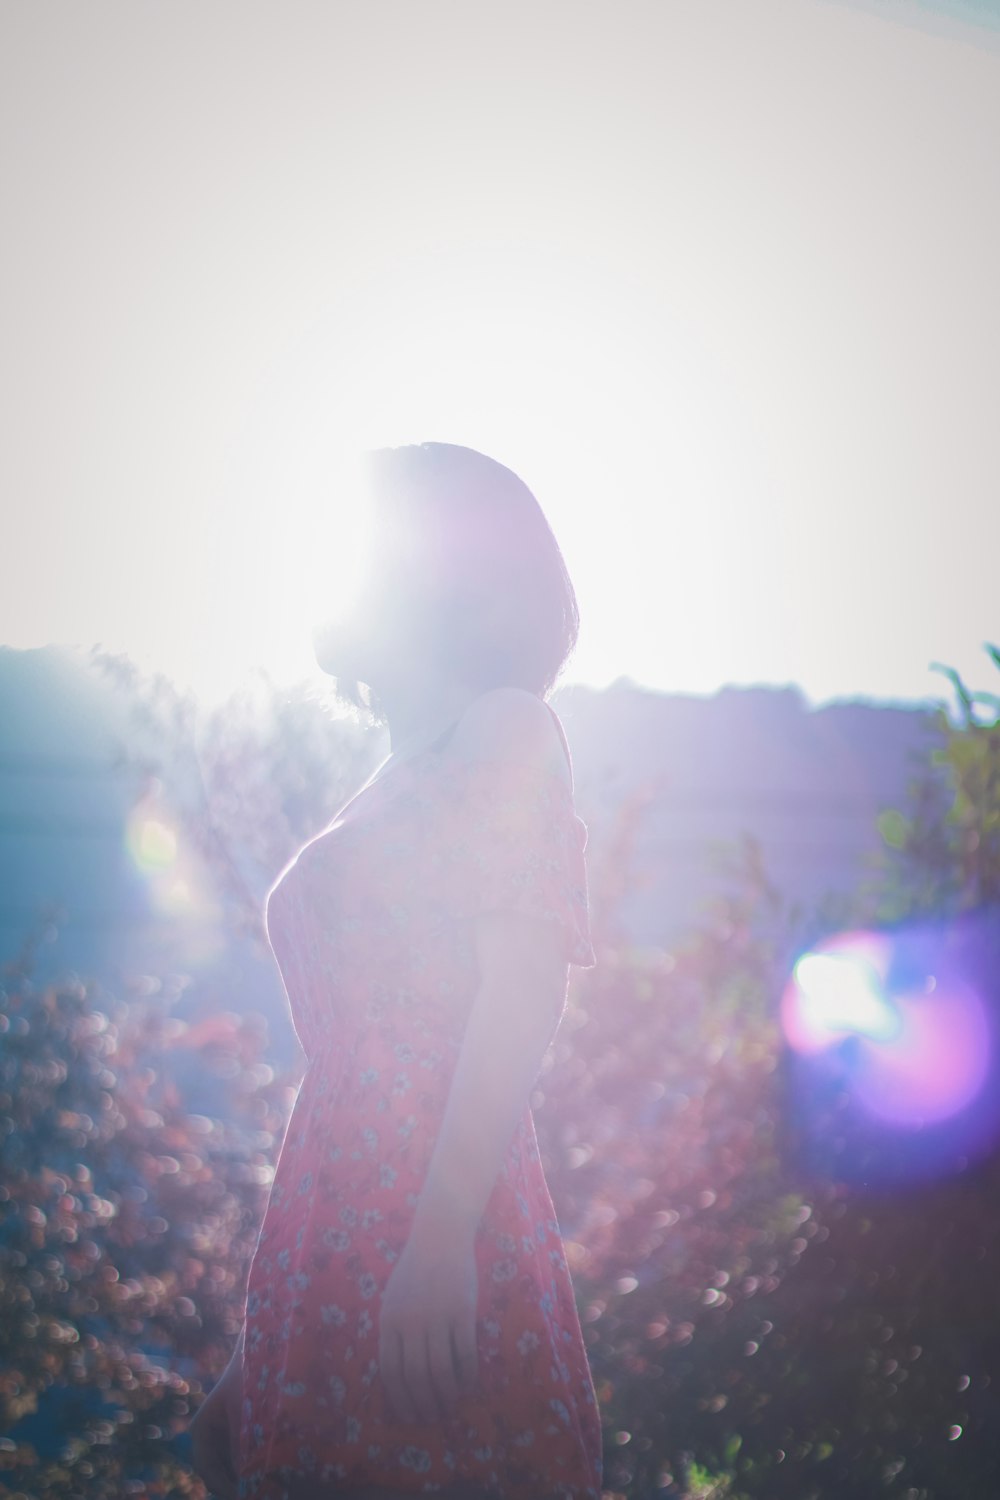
(335, 657)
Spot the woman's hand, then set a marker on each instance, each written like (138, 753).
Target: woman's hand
(215, 1434)
(427, 1330)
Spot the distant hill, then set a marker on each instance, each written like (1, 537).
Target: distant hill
(809, 783)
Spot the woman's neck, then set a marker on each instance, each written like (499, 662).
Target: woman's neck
(415, 721)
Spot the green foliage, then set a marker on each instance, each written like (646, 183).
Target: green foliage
(704, 1485)
(942, 856)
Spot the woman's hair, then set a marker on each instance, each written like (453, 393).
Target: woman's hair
(480, 573)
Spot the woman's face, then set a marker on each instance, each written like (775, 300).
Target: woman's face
(379, 636)
(356, 642)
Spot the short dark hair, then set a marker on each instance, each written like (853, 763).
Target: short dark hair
(488, 575)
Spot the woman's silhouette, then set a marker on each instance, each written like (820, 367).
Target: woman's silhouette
(410, 1320)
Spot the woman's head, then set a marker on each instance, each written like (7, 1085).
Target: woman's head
(464, 580)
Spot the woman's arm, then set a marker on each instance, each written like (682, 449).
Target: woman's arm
(512, 1023)
(524, 973)
(492, 862)
(428, 1352)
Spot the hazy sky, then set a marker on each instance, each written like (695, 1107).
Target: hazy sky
(719, 280)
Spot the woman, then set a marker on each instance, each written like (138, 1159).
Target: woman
(410, 1320)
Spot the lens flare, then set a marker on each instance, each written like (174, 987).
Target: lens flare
(937, 1064)
(841, 992)
(893, 1048)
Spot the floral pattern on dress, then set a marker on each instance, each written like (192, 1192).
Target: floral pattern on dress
(371, 927)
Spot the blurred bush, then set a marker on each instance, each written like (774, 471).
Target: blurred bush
(753, 1332)
(125, 1227)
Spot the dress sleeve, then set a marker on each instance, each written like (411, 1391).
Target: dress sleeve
(510, 839)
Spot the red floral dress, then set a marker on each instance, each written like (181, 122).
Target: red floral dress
(371, 928)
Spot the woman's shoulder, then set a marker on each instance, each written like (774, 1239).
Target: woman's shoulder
(510, 725)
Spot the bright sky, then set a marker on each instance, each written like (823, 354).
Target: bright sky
(718, 280)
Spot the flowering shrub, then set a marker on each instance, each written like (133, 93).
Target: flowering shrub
(754, 1331)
